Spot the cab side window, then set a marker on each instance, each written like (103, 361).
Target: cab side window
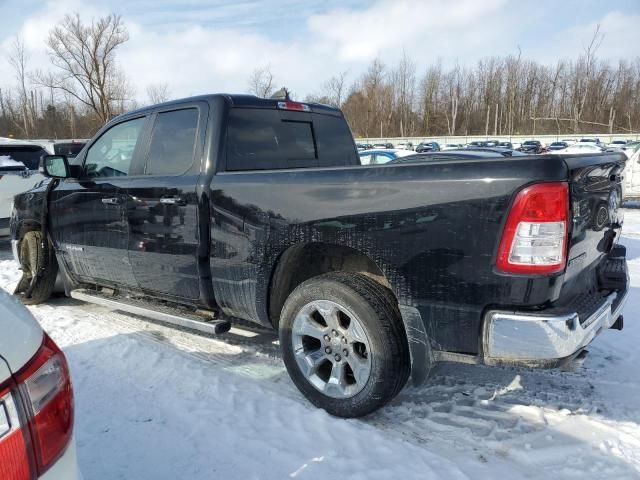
(172, 142)
(111, 154)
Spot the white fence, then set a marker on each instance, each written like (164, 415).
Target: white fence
(443, 140)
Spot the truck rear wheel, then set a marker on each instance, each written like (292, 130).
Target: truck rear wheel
(343, 343)
(39, 267)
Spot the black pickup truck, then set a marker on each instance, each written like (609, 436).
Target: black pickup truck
(211, 208)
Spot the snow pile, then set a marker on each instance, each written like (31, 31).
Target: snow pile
(158, 403)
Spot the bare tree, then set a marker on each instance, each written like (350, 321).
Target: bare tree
(404, 79)
(453, 92)
(261, 82)
(158, 93)
(334, 89)
(18, 59)
(84, 56)
(584, 78)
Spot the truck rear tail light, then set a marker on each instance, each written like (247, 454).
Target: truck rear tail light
(534, 240)
(288, 105)
(45, 385)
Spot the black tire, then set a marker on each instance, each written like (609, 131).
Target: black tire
(37, 259)
(377, 311)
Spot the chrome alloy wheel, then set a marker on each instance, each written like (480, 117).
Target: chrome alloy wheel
(331, 348)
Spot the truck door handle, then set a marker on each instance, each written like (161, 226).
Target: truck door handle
(173, 201)
(112, 201)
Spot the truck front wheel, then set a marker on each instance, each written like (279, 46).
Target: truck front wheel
(39, 269)
(344, 344)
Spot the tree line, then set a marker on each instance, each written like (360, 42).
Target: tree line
(497, 96)
(510, 95)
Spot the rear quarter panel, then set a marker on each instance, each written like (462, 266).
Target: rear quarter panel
(432, 228)
(596, 195)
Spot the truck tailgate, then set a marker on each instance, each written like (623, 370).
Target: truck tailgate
(595, 196)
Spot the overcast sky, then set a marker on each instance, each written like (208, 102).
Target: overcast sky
(205, 46)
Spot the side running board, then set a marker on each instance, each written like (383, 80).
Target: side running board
(161, 313)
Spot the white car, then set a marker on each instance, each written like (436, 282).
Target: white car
(617, 145)
(379, 156)
(452, 146)
(590, 141)
(579, 148)
(404, 146)
(632, 175)
(36, 400)
(19, 162)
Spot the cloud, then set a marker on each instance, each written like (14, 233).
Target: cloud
(425, 28)
(214, 46)
(621, 32)
(198, 59)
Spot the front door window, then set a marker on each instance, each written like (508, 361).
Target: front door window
(111, 154)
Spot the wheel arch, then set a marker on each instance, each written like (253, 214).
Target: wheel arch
(24, 226)
(306, 260)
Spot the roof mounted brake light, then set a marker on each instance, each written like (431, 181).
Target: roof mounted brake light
(297, 106)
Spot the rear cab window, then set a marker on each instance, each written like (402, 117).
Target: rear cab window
(263, 139)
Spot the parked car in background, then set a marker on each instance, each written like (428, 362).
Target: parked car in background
(508, 145)
(36, 400)
(632, 172)
(447, 155)
(382, 155)
(580, 148)
(69, 149)
(427, 147)
(19, 162)
(364, 146)
(383, 145)
(452, 146)
(404, 146)
(558, 146)
(616, 145)
(591, 141)
(531, 146)
(503, 152)
(569, 141)
(631, 147)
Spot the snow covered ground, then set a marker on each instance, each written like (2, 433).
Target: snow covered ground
(158, 403)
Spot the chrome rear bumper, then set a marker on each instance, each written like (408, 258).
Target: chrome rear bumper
(543, 340)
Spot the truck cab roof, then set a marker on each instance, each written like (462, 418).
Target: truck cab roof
(240, 101)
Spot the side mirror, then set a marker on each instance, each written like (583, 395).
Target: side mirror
(55, 166)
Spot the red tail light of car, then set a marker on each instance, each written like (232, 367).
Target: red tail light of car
(36, 415)
(14, 453)
(535, 235)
